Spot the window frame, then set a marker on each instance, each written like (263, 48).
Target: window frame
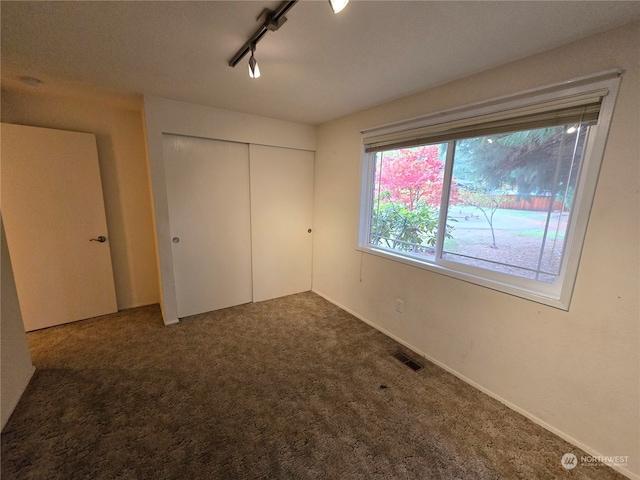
(558, 295)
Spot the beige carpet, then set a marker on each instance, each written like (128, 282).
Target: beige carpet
(292, 388)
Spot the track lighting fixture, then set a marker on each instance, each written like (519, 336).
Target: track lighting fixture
(338, 5)
(272, 20)
(254, 69)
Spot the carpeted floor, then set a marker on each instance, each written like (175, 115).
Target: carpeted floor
(292, 388)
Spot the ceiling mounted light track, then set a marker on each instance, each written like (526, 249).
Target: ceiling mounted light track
(272, 21)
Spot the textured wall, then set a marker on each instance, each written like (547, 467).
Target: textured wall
(16, 367)
(576, 372)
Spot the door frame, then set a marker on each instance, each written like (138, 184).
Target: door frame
(173, 117)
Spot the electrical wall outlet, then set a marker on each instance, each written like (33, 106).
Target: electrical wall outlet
(399, 305)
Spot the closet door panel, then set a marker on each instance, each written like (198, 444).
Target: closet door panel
(209, 216)
(281, 220)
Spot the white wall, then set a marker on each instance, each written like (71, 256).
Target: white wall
(125, 178)
(16, 368)
(180, 118)
(576, 373)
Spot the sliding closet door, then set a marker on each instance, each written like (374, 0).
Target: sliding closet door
(281, 220)
(209, 216)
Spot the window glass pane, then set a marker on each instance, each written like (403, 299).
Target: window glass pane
(406, 199)
(513, 200)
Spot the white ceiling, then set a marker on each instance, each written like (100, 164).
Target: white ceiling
(317, 67)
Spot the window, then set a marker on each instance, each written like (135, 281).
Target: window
(497, 193)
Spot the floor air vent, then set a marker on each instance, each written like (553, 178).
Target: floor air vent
(407, 361)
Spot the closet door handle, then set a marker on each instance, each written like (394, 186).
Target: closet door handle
(100, 239)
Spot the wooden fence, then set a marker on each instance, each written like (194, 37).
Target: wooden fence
(530, 202)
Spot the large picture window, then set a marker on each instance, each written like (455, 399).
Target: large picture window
(497, 193)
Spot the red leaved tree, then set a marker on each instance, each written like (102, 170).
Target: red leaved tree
(411, 175)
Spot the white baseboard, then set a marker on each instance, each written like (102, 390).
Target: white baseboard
(16, 399)
(507, 403)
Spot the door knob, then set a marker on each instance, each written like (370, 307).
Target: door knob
(100, 239)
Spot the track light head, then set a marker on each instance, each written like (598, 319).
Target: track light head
(338, 5)
(254, 69)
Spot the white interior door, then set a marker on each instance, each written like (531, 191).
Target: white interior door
(281, 220)
(209, 217)
(52, 206)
